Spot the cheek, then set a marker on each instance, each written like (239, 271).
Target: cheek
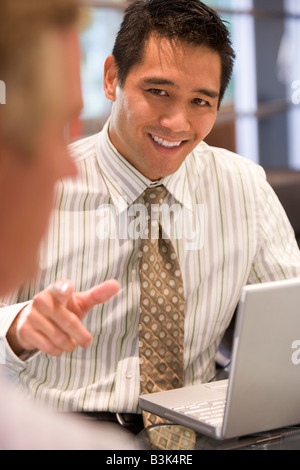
(41, 199)
(57, 162)
(139, 111)
(205, 126)
(42, 188)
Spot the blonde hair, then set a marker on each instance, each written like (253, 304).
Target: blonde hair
(24, 26)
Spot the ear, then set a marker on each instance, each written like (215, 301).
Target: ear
(110, 79)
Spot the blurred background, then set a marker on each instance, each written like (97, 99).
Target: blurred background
(260, 115)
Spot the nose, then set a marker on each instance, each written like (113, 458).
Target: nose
(176, 118)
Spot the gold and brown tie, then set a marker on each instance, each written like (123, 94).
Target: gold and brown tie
(162, 312)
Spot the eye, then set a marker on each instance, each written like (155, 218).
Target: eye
(200, 102)
(157, 92)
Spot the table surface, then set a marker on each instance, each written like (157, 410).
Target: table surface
(283, 439)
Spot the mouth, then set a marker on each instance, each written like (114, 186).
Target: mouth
(165, 144)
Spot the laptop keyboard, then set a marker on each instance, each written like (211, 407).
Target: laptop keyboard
(208, 412)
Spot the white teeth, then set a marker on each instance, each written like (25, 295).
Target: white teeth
(165, 143)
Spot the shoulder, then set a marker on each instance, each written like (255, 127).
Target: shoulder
(226, 163)
(84, 148)
(84, 154)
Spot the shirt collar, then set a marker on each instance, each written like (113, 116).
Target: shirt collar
(126, 184)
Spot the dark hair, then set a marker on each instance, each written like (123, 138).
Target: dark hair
(189, 21)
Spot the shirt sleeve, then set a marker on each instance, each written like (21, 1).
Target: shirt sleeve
(277, 256)
(7, 316)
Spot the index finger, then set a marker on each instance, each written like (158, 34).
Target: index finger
(97, 295)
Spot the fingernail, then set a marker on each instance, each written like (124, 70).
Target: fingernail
(60, 287)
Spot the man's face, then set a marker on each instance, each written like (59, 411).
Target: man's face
(167, 106)
(28, 187)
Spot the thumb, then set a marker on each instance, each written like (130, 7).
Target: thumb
(62, 291)
(98, 294)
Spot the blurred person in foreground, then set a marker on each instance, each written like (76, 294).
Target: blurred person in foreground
(170, 66)
(39, 63)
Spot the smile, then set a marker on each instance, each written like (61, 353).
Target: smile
(165, 143)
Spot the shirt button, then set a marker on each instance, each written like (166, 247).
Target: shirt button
(128, 375)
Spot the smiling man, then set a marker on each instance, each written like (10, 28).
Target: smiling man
(167, 105)
(166, 78)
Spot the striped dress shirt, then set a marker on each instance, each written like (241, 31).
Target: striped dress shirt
(245, 237)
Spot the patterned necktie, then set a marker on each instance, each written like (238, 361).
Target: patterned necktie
(161, 328)
(162, 306)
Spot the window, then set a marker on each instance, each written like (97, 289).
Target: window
(101, 26)
(290, 69)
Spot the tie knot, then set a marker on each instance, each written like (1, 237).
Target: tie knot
(155, 195)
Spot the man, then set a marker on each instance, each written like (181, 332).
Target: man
(166, 78)
(37, 38)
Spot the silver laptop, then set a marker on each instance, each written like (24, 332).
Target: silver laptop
(263, 389)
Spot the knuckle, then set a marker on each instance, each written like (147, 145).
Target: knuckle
(71, 321)
(60, 339)
(23, 330)
(39, 303)
(50, 348)
(43, 301)
(64, 343)
(53, 351)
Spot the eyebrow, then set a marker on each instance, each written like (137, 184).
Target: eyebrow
(164, 81)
